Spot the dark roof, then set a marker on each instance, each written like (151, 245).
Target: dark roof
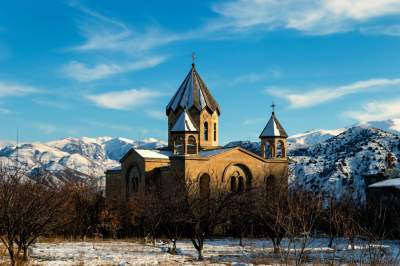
(273, 128)
(193, 92)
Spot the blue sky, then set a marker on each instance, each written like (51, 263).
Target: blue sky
(93, 68)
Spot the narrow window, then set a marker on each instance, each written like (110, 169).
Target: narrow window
(233, 184)
(205, 130)
(267, 150)
(215, 131)
(205, 186)
(280, 153)
(240, 187)
(192, 145)
(179, 146)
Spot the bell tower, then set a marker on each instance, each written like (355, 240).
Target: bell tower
(273, 139)
(195, 99)
(184, 136)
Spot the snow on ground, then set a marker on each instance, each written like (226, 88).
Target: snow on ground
(216, 252)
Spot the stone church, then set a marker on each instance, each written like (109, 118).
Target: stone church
(193, 149)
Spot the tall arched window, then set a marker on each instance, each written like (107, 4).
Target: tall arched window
(178, 145)
(215, 131)
(280, 149)
(205, 130)
(233, 183)
(204, 186)
(240, 187)
(192, 145)
(132, 181)
(267, 150)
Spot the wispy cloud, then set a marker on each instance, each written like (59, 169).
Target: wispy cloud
(124, 100)
(116, 127)
(157, 114)
(104, 33)
(5, 111)
(377, 110)
(318, 96)
(82, 72)
(307, 16)
(254, 121)
(17, 89)
(45, 128)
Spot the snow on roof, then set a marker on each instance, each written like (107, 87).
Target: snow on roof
(154, 154)
(273, 128)
(212, 152)
(395, 182)
(193, 92)
(183, 123)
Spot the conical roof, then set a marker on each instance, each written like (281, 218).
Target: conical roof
(193, 92)
(273, 128)
(183, 123)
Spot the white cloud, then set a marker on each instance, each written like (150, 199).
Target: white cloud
(16, 89)
(378, 110)
(103, 33)
(157, 114)
(81, 72)
(254, 121)
(46, 128)
(5, 111)
(308, 16)
(314, 97)
(124, 100)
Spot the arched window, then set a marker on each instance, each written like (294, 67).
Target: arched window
(240, 186)
(205, 130)
(267, 150)
(280, 149)
(192, 145)
(233, 183)
(178, 145)
(132, 180)
(215, 131)
(204, 186)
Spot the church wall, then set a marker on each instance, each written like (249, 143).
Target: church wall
(218, 167)
(113, 187)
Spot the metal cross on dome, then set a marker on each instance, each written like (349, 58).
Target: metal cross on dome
(193, 57)
(273, 107)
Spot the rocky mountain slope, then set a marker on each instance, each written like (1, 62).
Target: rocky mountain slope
(85, 156)
(321, 159)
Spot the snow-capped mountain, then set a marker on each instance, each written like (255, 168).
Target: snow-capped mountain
(85, 156)
(342, 161)
(321, 159)
(327, 160)
(312, 137)
(390, 125)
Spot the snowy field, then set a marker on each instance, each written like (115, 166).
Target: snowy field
(216, 252)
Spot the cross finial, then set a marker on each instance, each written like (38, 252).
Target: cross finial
(273, 107)
(193, 58)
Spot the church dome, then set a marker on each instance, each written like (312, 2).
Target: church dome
(193, 92)
(273, 129)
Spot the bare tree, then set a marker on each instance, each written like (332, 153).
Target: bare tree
(28, 209)
(271, 210)
(205, 204)
(303, 211)
(148, 211)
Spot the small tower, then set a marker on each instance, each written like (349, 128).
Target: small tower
(184, 136)
(273, 139)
